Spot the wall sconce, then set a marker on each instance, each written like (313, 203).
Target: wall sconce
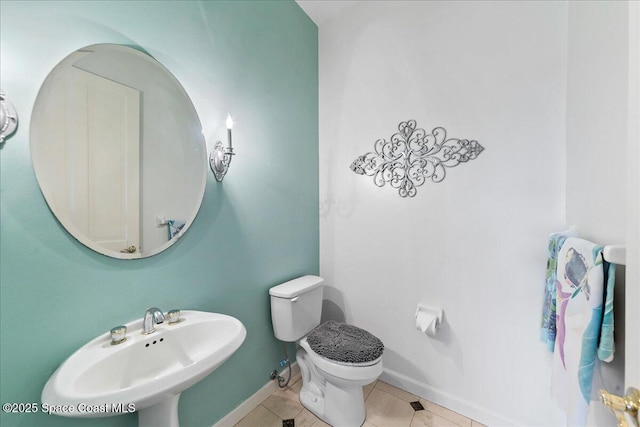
(8, 118)
(220, 157)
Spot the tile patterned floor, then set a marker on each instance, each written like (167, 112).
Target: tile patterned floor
(386, 405)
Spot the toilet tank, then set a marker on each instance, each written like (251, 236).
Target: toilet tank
(296, 307)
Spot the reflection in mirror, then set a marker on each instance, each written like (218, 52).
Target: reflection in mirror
(118, 151)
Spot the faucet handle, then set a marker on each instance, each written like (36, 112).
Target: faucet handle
(173, 316)
(118, 334)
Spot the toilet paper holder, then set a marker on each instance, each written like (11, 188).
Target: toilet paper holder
(428, 319)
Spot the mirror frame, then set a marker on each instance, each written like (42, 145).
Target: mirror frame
(48, 192)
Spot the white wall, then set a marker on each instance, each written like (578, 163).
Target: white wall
(632, 315)
(597, 119)
(543, 86)
(474, 244)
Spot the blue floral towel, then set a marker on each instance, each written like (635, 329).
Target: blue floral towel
(580, 296)
(548, 327)
(606, 347)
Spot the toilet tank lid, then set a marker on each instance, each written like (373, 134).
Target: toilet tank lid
(295, 287)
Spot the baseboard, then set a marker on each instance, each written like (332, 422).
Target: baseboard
(255, 399)
(442, 398)
(396, 379)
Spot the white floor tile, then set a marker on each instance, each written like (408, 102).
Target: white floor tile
(428, 419)
(400, 394)
(386, 410)
(445, 413)
(367, 389)
(262, 417)
(285, 403)
(307, 419)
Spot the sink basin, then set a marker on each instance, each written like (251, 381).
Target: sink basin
(146, 373)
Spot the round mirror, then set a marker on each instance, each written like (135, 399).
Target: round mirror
(118, 151)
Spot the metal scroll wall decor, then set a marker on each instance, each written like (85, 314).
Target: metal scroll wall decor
(412, 156)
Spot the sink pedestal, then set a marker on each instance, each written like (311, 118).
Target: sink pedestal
(163, 414)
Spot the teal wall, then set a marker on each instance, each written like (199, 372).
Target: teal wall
(256, 60)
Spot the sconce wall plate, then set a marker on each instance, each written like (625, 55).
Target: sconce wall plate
(220, 159)
(412, 156)
(8, 118)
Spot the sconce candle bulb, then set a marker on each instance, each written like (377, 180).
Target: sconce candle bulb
(220, 158)
(229, 126)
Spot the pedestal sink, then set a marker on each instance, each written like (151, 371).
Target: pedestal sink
(146, 373)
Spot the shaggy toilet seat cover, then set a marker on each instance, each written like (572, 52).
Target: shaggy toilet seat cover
(345, 343)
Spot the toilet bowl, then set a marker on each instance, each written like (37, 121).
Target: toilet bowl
(333, 390)
(332, 375)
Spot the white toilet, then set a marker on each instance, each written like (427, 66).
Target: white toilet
(333, 371)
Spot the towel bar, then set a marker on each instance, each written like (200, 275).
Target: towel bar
(615, 254)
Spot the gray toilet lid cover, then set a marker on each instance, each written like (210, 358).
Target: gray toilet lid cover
(345, 343)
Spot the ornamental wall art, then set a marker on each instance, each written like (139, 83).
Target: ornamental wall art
(413, 156)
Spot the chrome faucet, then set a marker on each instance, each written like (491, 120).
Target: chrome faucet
(153, 316)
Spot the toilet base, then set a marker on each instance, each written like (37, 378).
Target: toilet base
(339, 406)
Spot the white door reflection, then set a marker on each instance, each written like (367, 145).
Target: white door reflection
(104, 156)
